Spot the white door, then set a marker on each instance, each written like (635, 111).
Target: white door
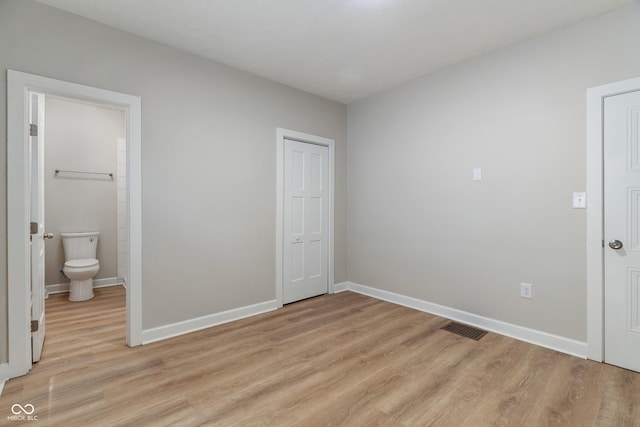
(306, 212)
(622, 230)
(36, 213)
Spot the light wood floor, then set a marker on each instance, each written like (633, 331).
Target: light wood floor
(343, 359)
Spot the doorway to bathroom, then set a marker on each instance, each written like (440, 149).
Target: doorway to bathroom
(85, 186)
(22, 88)
(84, 193)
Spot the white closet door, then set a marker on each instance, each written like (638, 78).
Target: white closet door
(306, 211)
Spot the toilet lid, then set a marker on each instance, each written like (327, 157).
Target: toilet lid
(81, 263)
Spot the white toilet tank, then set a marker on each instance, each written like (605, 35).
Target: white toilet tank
(80, 245)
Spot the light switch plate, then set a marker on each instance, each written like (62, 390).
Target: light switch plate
(579, 200)
(477, 174)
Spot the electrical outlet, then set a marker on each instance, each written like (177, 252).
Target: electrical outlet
(526, 290)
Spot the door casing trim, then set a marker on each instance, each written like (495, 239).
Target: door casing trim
(281, 135)
(18, 86)
(595, 218)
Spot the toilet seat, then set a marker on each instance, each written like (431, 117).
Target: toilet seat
(81, 263)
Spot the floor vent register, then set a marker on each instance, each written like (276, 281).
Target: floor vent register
(464, 330)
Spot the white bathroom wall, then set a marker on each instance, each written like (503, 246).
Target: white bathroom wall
(81, 137)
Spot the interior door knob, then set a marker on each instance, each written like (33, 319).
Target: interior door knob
(615, 244)
(46, 236)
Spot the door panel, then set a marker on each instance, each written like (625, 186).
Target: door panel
(305, 220)
(315, 258)
(297, 215)
(634, 300)
(316, 161)
(315, 216)
(297, 262)
(36, 212)
(621, 223)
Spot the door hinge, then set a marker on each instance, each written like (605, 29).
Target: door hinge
(34, 326)
(33, 228)
(33, 130)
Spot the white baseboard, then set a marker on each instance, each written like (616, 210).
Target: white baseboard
(59, 288)
(4, 376)
(192, 325)
(341, 287)
(532, 336)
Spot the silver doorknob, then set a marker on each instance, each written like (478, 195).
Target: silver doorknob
(615, 244)
(46, 236)
(298, 239)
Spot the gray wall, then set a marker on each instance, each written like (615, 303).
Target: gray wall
(419, 225)
(80, 137)
(208, 157)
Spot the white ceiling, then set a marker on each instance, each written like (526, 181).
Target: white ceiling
(339, 49)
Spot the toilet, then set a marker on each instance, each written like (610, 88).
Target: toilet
(80, 263)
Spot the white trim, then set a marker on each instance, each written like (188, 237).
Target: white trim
(192, 325)
(341, 287)
(18, 86)
(122, 232)
(595, 234)
(4, 375)
(18, 299)
(281, 135)
(60, 288)
(532, 336)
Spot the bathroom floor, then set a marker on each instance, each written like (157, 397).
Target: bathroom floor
(86, 326)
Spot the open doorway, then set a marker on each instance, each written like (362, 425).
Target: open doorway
(20, 87)
(85, 186)
(84, 196)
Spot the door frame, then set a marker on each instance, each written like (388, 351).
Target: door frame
(281, 136)
(18, 269)
(595, 216)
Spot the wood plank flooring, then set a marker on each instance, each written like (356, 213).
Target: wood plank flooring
(341, 360)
